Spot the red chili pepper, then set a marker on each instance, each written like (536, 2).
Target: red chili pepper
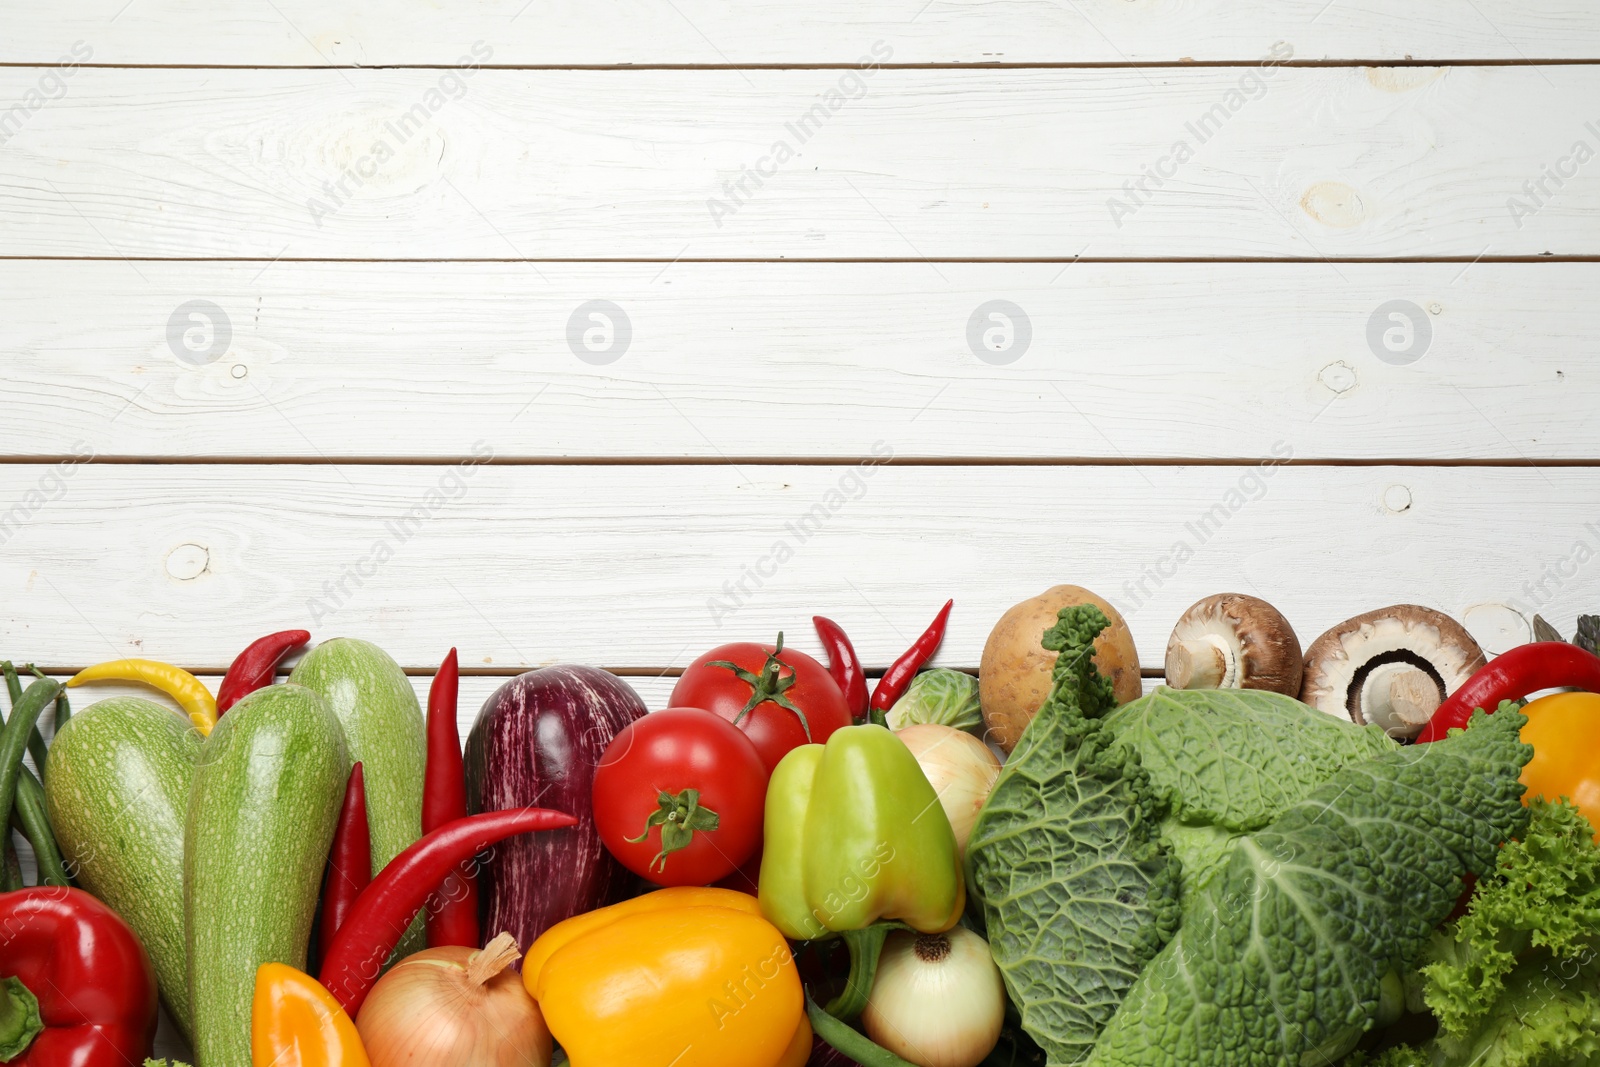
(1512, 676)
(901, 671)
(253, 668)
(349, 861)
(454, 918)
(386, 908)
(843, 664)
(76, 987)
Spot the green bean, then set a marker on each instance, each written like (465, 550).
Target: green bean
(10, 866)
(29, 817)
(63, 713)
(13, 683)
(14, 686)
(842, 1037)
(24, 717)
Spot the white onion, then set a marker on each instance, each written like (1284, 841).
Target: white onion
(938, 999)
(454, 1006)
(960, 768)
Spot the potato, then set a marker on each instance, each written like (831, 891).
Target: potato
(1014, 676)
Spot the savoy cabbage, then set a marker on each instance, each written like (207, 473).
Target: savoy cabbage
(1078, 892)
(1229, 761)
(1283, 952)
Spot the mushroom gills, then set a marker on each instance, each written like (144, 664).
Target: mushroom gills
(1234, 641)
(1400, 693)
(1391, 668)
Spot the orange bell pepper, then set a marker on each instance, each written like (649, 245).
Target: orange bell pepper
(190, 693)
(295, 1022)
(1564, 731)
(686, 977)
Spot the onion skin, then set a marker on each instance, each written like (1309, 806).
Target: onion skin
(961, 769)
(428, 1011)
(938, 999)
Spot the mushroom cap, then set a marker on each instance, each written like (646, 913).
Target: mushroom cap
(1257, 643)
(1340, 660)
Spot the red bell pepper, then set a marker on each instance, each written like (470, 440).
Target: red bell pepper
(76, 986)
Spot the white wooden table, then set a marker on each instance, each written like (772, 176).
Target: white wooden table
(611, 331)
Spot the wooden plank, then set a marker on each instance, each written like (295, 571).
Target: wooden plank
(307, 32)
(649, 566)
(790, 359)
(1304, 162)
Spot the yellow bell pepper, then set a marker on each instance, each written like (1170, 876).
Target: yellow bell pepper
(685, 977)
(190, 693)
(1564, 730)
(295, 1022)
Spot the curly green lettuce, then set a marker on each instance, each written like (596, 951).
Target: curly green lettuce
(1284, 951)
(1229, 761)
(1515, 982)
(1077, 889)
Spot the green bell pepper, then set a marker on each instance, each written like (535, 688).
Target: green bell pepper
(856, 835)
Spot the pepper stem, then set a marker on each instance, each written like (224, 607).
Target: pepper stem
(493, 958)
(679, 816)
(19, 1018)
(866, 948)
(768, 686)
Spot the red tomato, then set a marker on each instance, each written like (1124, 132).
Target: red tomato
(753, 697)
(679, 797)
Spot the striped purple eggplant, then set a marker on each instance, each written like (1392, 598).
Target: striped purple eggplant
(536, 743)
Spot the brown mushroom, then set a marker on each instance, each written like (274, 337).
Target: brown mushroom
(1014, 674)
(1392, 667)
(1233, 641)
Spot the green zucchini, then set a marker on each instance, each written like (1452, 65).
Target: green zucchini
(116, 790)
(383, 729)
(267, 789)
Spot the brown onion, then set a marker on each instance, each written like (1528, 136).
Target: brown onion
(453, 1007)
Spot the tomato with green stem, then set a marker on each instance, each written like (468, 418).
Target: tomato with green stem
(779, 697)
(680, 796)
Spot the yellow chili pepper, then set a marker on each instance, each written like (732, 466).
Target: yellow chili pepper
(192, 696)
(295, 1022)
(687, 977)
(1564, 730)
